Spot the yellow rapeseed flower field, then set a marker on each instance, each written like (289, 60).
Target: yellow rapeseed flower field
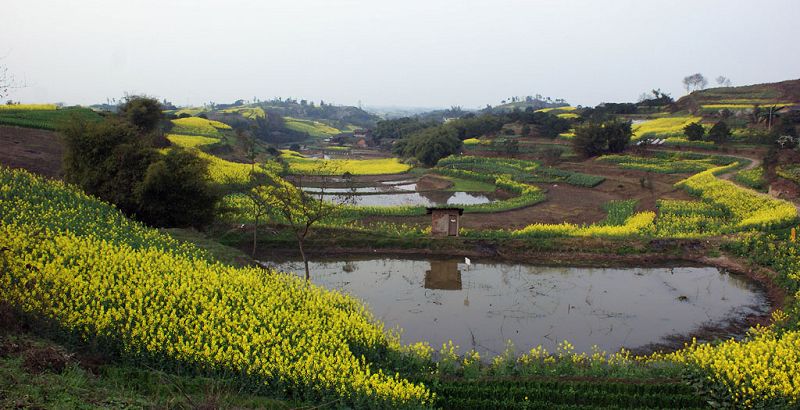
(191, 141)
(163, 301)
(302, 165)
(28, 107)
(198, 126)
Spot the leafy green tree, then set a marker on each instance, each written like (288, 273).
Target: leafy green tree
(595, 138)
(430, 145)
(719, 133)
(694, 131)
(399, 128)
(142, 112)
(116, 161)
(176, 191)
(106, 159)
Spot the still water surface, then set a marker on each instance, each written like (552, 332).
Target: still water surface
(428, 198)
(483, 305)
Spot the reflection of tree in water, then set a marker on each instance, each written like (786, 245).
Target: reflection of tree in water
(444, 275)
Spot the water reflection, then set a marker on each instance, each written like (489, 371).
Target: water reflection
(431, 198)
(444, 275)
(483, 305)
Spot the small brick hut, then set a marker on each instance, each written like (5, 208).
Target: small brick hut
(445, 221)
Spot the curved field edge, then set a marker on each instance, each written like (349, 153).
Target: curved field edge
(103, 277)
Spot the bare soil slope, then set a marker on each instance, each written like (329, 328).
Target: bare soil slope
(38, 151)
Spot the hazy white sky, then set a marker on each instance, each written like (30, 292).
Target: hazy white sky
(398, 52)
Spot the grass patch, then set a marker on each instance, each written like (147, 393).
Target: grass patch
(469, 185)
(312, 128)
(44, 118)
(752, 178)
(668, 162)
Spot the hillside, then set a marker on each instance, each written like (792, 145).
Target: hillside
(762, 94)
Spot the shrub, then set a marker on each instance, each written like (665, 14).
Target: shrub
(719, 133)
(601, 138)
(694, 131)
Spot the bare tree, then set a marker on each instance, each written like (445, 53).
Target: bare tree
(301, 210)
(694, 82)
(6, 82)
(723, 81)
(259, 202)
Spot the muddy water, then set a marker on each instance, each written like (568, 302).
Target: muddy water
(483, 305)
(431, 198)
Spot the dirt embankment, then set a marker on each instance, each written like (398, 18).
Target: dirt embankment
(38, 151)
(433, 183)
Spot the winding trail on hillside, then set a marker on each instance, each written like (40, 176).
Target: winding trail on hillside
(753, 163)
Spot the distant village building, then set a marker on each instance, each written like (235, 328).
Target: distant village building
(445, 221)
(361, 133)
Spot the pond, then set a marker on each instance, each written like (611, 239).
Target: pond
(408, 187)
(485, 304)
(427, 198)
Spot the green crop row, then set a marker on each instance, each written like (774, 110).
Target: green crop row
(669, 162)
(752, 178)
(791, 173)
(46, 119)
(522, 394)
(520, 170)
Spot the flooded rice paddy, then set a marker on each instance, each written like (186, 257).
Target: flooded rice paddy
(485, 304)
(431, 198)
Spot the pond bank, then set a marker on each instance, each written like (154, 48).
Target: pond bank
(654, 308)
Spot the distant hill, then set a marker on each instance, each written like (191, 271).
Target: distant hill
(748, 95)
(285, 120)
(523, 105)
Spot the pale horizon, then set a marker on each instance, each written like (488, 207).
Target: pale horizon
(389, 53)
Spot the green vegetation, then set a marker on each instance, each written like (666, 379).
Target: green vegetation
(469, 185)
(663, 127)
(198, 126)
(116, 161)
(251, 112)
(719, 133)
(229, 325)
(312, 128)
(592, 139)
(694, 131)
(46, 119)
(752, 178)
(790, 172)
(566, 394)
(668, 162)
(429, 145)
(35, 373)
(748, 210)
(518, 170)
